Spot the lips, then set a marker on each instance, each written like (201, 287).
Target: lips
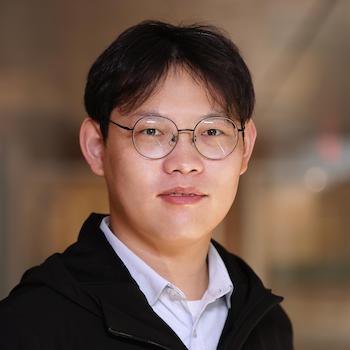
(182, 195)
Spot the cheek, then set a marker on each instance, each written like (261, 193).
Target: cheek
(226, 185)
(128, 177)
(226, 193)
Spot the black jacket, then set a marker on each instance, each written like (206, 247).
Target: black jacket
(86, 299)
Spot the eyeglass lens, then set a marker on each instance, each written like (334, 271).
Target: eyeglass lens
(214, 137)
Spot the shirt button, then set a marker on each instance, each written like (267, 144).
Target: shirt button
(174, 295)
(194, 333)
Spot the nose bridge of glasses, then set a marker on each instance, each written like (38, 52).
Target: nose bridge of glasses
(188, 131)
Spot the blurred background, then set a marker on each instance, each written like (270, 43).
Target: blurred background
(291, 219)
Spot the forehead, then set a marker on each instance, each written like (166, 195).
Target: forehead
(180, 97)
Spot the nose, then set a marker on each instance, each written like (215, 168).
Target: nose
(184, 158)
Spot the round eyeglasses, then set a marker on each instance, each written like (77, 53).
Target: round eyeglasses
(154, 137)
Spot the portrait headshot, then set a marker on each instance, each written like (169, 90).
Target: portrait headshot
(169, 128)
(166, 211)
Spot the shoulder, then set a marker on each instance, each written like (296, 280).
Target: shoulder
(32, 305)
(27, 299)
(274, 330)
(273, 326)
(38, 317)
(23, 315)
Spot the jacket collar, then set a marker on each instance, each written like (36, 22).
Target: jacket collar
(103, 276)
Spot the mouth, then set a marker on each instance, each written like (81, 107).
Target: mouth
(182, 195)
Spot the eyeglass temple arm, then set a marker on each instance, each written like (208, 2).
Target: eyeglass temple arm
(242, 130)
(122, 126)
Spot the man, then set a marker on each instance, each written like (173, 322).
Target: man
(169, 128)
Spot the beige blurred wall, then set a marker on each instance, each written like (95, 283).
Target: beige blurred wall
(290, 220)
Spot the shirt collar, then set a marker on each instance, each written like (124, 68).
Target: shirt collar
(152, 284)
(220, 283)
(148, 280)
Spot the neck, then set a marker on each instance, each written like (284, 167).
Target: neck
(184, 264)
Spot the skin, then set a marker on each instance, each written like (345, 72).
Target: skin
(172, 239)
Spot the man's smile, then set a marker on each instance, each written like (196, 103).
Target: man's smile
(182, 195)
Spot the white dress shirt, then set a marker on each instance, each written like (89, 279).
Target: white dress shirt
(197, 323)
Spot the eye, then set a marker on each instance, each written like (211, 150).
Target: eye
(150, 132)
(212, 132)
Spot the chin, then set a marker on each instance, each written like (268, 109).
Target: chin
(184, 233)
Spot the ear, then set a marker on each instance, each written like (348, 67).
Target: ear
(91, 145)
(249, 141)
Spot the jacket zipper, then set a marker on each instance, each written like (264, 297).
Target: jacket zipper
(137, 339)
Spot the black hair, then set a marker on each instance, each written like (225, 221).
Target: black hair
(128, 71)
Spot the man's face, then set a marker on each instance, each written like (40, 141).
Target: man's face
(151, 199)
